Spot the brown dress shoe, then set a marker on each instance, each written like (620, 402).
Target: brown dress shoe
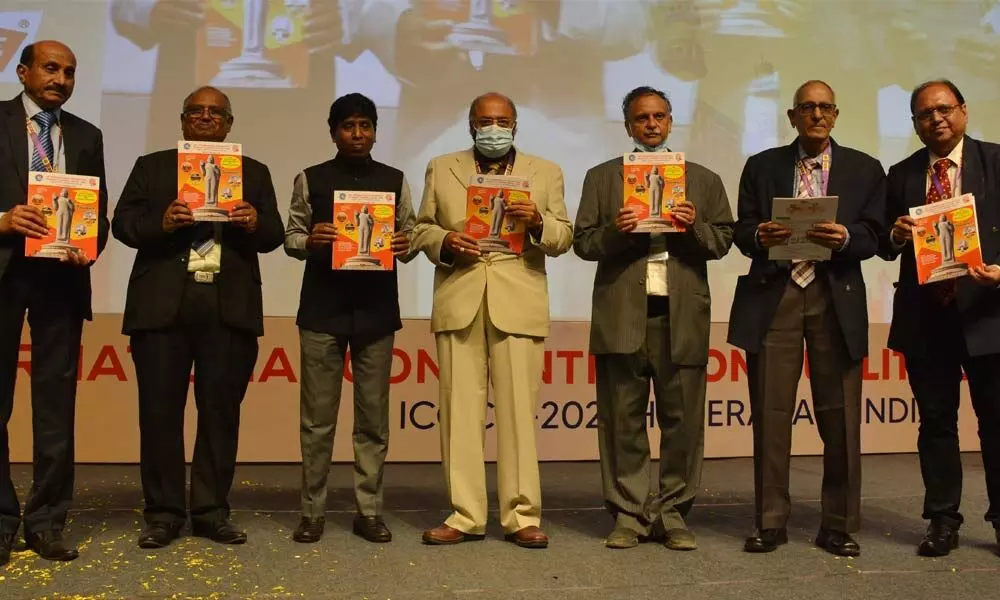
(529, 537)
(444, 534)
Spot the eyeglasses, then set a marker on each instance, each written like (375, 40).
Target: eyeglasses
(487, 121)
(945, 110)
(808, 108)
(216, 113)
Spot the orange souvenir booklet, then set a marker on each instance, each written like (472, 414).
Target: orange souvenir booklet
(253, 44)
(69, 203)
(946, 239)
(210, 178)
(490, 26)
(365, 224)
(654, 183)
(486, 216)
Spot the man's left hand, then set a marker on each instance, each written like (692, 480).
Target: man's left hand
(829, 235)
(526, 211)
(986, 275)
(684, 213)
(400, 243)
(244, 216)
(75, 257)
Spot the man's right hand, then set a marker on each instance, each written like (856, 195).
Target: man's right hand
(24, 220)
(323, 234)
(461, 243)
(627, 220)
(177, 215)
(771, 234)
(174, 15)
(902, 230)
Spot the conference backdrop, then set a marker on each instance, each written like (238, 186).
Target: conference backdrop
(730, 68)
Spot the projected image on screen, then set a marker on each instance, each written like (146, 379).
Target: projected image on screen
(730, 68)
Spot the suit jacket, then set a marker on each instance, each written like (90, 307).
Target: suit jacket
(859, 182)
(84, 148)
(156, 285)
(516, 287)
(913, 309)
(618, 320)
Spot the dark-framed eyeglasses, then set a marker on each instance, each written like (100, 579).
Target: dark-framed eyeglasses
(215, 112)
(945, 110)
(808, 108)
(487, 121)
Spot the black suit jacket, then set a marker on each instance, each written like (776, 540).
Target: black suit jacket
(84, 149)
(859, 181)
(156, 284)
(913, 310)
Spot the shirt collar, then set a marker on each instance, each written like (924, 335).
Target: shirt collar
(802, 153)
(31, 108)
(955, 156)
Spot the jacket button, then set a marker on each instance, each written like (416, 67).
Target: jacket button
(642, 282)
(848, 288)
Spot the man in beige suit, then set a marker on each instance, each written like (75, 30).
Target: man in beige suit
(651, 319)
(490, 319)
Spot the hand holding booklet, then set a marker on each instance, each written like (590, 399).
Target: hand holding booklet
(946, 239)
(800, 215)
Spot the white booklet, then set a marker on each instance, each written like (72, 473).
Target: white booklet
(799, 215)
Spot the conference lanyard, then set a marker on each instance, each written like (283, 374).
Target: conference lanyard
(937, 181)
(50, 165)
(806, 178)
(507, 171)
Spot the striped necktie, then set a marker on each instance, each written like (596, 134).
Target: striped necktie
(804, 272)
(942, 291)
(45, 120)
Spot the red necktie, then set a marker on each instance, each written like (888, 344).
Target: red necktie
(942, 291)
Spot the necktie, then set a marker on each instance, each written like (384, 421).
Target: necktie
(804, 272)
(44, 119)
(942, 291)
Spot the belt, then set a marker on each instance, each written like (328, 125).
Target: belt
(203, 277)
(657, 306)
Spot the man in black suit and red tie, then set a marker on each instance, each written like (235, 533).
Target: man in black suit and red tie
(194, 298)
(780, 303)
(948, 327)
(36, 134)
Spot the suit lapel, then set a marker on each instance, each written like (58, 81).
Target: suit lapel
(71, 144)
(916, 191)
(973, 178)
(839, 178)
(17, 137)
(783, 174)
(464, 167)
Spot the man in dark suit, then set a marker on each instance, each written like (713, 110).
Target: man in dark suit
(780, 303)
(345, 309)
(194, 297)
(37, 135)
(651, 319)
(945, 328)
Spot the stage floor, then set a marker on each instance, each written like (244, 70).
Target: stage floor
(575, 566)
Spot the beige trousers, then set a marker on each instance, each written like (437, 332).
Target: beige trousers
(469, 360)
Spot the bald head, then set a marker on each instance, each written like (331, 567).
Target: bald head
(47, 70)
(491, 98)
(809, 85)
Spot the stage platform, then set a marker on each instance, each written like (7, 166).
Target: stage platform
(575, 566)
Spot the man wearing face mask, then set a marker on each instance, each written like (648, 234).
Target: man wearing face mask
(490, 319)
(650, 323)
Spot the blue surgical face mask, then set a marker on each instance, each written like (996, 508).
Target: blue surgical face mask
(662, 147)
(494, 141)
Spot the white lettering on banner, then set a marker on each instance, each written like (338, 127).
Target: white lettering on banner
(566, 419)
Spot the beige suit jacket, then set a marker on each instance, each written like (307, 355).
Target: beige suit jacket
(515, 287)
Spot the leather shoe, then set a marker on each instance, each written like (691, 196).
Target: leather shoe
(444, 534)
(838, 543)
(622, 538)
(220, 531)
(939, 540)
(6, 546)
(309, 530)
(767, 540)
(680, 539)
(158, 535)
(49, 545)
(372, 529)
(529, 537)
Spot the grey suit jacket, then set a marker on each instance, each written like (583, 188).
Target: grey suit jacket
(618, 323)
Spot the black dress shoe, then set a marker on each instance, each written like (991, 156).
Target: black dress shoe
(767, 540)
(49, 545)
(158, 535)
(6, 546)
(372, 529)
(939, 540)
(309, 530)
(220, 531)
(837, 542)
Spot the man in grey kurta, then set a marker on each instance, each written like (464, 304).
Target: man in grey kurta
(650, 323)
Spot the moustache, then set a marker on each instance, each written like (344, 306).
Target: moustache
(56, 88)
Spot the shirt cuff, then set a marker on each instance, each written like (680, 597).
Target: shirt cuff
(847, 240)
